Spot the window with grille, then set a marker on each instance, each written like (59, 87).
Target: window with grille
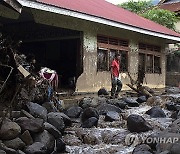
(102, 60)
(149, 59)
(107, 48)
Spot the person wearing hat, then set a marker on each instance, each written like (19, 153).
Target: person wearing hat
(116, 82)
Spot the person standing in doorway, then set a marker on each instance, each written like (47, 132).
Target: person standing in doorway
(115, 70)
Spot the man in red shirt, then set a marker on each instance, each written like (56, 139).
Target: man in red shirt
(116, 82)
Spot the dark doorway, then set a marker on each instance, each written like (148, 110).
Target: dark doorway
(63, 56)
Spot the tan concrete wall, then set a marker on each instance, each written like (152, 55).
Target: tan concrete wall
(91, 80)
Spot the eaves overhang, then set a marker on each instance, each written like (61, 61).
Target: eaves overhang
(96, 19)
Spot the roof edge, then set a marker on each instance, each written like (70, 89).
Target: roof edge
(62, 11)
(14, 4)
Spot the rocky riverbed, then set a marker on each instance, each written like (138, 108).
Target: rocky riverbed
(97, 125)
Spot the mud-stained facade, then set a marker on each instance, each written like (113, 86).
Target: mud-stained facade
(91, 80)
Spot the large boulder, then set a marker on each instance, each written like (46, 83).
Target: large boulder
(88, 113)
(52, 130)
(66, 119)
(36, 148)
(47, 139)
(9, 130)
(136, 123)
(112, 116)
(85, 102)
(37, 110)
(141, 99)
(131, 102)
(74, 112)
(16, 143)
(118, 102)
(156, 112)
(92, 121)
(55, 119)
(32, 125)
(104, 108)
(26, 138)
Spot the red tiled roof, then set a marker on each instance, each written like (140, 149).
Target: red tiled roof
(175, 7)
(106, 10)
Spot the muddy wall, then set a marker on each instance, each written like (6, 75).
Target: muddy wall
(91, 80)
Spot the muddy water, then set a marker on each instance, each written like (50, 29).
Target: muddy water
(109, 137)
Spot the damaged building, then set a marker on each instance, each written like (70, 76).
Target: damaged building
(79, 38)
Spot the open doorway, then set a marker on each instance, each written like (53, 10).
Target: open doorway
(63, 56)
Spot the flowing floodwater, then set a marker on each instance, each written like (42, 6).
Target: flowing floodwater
(109, 137)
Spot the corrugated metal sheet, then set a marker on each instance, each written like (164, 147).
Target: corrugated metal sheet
(106, 10)
(175, 7)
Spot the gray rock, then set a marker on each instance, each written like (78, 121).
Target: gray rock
(85, 102)
(90, 122)
(56, 120)
(74, 112)
(37, 110)
(36, 148)
(20, 152)
(9, 130)
(6, 149)
(16, 143)
(156, 112)
(47, 139)
(88, 113)
(118, 102)
(175, 149)
(60, 145)
(16, 114)
(104, 108)
(171, 106)
(167, 141)
(2, 152)
(32, 125)
(103, 91)
(52, 130)
(173, 90)
(66, 119)
(96, 101)
(26, 138)
(112, 116)
(26, 114)
(136, 123)
(142, 149)
(131, 102)
(50, 107)
(141, 99)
